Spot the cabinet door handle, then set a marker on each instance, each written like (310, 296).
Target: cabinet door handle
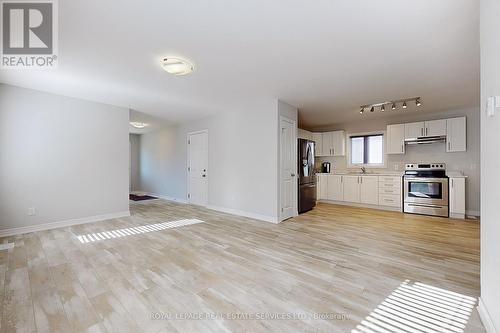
(402, 147)
(449, 145)
(452, 183)
(341, 179)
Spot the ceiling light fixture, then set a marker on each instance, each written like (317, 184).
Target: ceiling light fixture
(393, 104)
(177, 66)
(138, 124)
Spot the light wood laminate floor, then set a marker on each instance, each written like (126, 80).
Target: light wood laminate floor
(336, 262)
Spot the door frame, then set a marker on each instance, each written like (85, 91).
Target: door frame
(294, 158)
(188, 163)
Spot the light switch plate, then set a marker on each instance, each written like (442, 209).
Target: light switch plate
(490, 107)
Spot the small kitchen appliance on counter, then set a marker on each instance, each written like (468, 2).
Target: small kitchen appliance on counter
(325, 167)
(425, 188)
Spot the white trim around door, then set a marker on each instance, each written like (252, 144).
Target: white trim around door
(288, 206)
(197, 168)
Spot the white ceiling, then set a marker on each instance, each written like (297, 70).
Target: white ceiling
(327, 57)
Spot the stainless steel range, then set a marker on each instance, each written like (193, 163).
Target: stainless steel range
(426, 189)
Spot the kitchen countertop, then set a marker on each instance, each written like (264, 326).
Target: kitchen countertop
(452, 174)
(378, 173)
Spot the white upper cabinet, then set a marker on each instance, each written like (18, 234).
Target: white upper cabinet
(338, 143)
(456, 137)
(327, 144)
(303, 134)
(435, 128)
(368, 190)
(318, 139)
(330, 143)
(414, 130)
(395, 143)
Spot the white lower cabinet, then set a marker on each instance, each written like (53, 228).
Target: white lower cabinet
(335, 188)
(457, 197)
(351, 188)
(321, 187)
(368, 192)
(383, 191)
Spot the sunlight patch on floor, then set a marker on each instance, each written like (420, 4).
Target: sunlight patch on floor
(418, 307)
(103, 235)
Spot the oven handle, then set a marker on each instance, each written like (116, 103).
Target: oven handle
(426, 180)
(421, 205)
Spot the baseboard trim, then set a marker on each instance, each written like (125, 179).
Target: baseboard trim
(361, 205)
(238, 212)
(472, 213)
(485, 317)
(61, 224)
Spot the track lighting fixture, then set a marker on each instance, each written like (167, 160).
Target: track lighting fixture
(393, 104)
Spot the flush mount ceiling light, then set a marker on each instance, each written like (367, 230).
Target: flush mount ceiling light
(393, 104)
(177, 66)
(138, 124)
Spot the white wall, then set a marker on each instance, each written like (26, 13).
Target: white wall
(468, 162)
(242, 160)
(66, 157)
(135, 142)
(490, 161)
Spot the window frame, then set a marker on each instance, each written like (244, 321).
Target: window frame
(367, 165)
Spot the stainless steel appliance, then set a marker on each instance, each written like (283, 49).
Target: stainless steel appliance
(307, 178)
(325, 167)
(425, 188)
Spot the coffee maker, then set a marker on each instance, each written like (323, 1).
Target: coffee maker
(325, 167)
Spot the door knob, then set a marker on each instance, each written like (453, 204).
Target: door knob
(293, 175)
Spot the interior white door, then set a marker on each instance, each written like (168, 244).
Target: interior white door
(198, 168)
(288, 162)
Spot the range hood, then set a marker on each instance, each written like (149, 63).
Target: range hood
(425, 140)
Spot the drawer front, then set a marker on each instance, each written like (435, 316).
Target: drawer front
(390, 179)
(390, 185)
(389, 200)
(390, 190)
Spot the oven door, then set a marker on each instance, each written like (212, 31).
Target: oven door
(430, 191)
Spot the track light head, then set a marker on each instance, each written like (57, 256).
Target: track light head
(372, 109)
(417, 102)
(394, 106)
(362, 110)
(382, 108)
(404, 105)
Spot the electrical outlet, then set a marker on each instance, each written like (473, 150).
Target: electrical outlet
(31, 211)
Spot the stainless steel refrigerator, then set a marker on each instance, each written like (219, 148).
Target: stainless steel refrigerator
(307, 178)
